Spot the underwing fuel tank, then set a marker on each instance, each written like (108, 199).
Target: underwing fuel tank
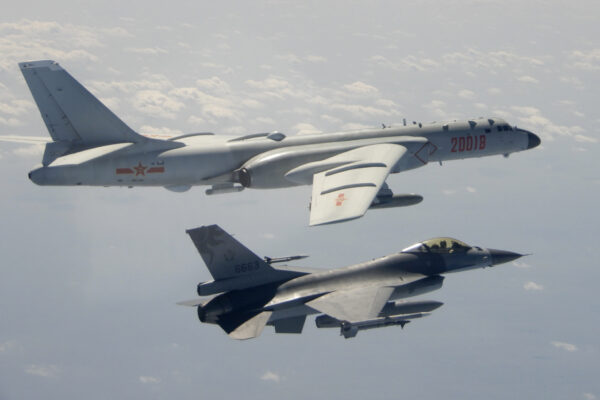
(397, 200)
(391, 314)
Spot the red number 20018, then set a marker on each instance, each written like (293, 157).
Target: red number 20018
(468, 143)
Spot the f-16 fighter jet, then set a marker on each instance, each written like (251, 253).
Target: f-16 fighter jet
(249, 292)
(91, 146)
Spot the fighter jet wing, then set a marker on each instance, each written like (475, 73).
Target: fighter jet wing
(346, 192)
(25, 139)
(353, 305)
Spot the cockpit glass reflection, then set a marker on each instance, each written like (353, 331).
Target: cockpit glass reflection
(439, 245)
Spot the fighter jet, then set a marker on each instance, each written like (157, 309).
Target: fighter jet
(91, 146)
(249, 292)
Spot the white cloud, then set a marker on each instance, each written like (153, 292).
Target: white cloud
(271, 376)
(533, 118)
(7, 346)
(331, 119)
(268, 235)
(361, 111)
(565, 346)
(12, 122)
(214, 84)
(586, 60)
(315, 59)
(252, 104)
(351, 126)
(585, 139)
(533, 286)
(149, 51)
(494, 91)
(572, 80)
(305, 129)
(29, 39)
(589, 396)
(386, 103)
(156, 130)
(35, 150)
(46, 371)
(520, 264)
(262, 121)
(490, 60)
(361, 88)
(471, 189)
(16, 107)
(527, 79)
(147, 82)
(436, 107)
(195, 120)
(448, 192)
(149, 380)
(466, 94)
(407, 63)
(269, 84)
(155, 103)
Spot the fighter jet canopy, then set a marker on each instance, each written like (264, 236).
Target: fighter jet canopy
(438, 245)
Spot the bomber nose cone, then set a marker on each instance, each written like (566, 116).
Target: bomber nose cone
(533, 140)
(503, 256)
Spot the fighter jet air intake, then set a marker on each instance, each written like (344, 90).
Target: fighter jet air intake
(89, 145)
(249, 292)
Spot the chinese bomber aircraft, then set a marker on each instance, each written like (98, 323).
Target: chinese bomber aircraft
(248, 292)
(91, 146)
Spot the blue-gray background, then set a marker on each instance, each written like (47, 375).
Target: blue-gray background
(89, 277)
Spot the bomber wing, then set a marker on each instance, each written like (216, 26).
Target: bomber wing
(346, 192)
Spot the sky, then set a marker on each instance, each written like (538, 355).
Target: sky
(89, 277)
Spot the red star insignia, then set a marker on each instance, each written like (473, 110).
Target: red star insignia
(340, 199)
(140, 169)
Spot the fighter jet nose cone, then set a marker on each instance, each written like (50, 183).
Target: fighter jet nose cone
(503, 256)
(533, 140)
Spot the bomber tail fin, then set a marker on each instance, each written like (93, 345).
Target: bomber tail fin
(73, 116)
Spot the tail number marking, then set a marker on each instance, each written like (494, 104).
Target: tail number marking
(468, 143)
(246, 267)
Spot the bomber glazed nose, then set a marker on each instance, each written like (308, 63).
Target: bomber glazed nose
(503, 256)
(533, 140)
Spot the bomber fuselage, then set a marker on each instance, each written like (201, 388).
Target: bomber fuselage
(264, 161)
